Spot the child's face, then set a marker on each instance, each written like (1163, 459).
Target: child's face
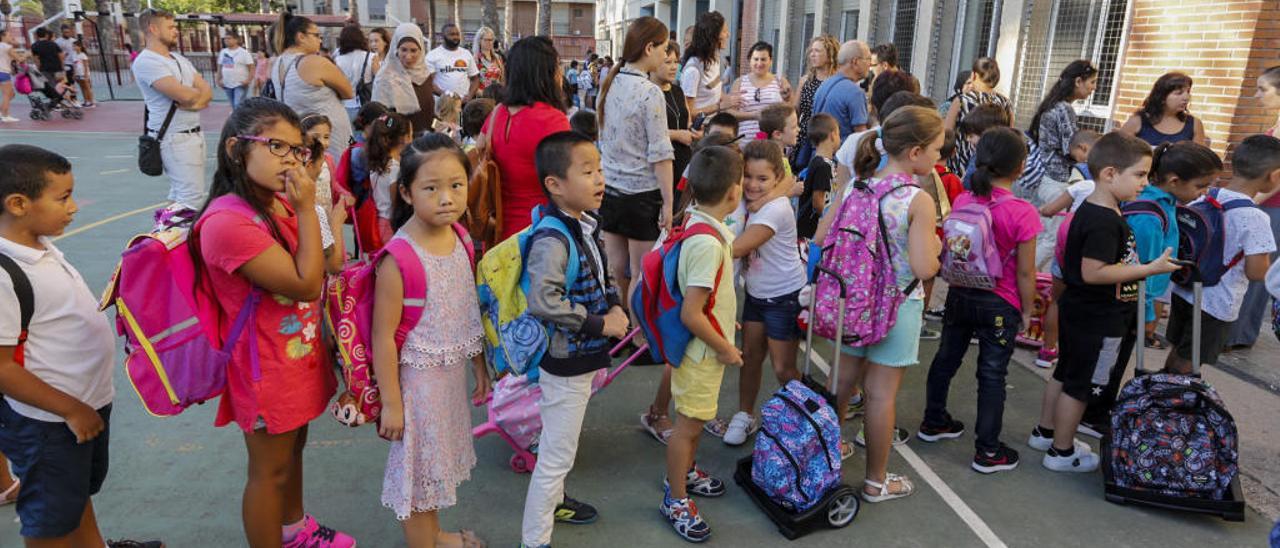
(727, 131)
(438, 192)
(758, 179)
(267, 163)
(320, 133)
(1186, 191)
(922, 159)
(53, 210)
(582, 188)
(791, 132)
(1080, 153)
(973, 139)
(1126, 183)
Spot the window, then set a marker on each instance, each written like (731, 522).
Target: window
(646, 11)
(798, 49)
(975, 33)
(701, 6)
(848, 25)
(577, 12)
(904, 30)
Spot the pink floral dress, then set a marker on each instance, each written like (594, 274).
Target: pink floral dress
(436, 454)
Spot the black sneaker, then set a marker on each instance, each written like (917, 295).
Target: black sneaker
(950, 429)
(1094, 430)
(1005, 458)
(575, 512)
(934, 314)
(126, 543)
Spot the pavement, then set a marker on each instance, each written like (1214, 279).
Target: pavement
(180, 479)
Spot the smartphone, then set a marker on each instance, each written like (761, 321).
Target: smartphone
(698, 121)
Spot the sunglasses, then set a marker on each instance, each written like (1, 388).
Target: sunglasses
(279, 148)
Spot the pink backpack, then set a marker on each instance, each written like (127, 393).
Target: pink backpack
(969, 254)
(169, 324)
(857, 249)
(349, 313)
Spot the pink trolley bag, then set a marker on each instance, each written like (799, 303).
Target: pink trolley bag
(513, 408)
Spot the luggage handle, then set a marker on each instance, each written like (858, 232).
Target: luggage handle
(813, 304)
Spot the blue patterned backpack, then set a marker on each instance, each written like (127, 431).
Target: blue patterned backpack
(797, 454)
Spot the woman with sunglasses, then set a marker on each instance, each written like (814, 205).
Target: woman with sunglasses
(310, 83)
(754, 91)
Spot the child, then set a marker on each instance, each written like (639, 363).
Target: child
(473, 118)
(81, 74)
(581, 316)
(715, 176)
(273, 395)
(977, 122)
(332, 213)
(1100, 267)
(824, 133)
(944, 188)
(774, 275)
(722, 122)
(1081, 144)
(55, 415)
(584, 122)
(1180, 173)
(911, 139)
(448, 111)
(425, 411)
(388, 135)
(1249, 242)
(993, 316)
(363, 121)
(778, 123)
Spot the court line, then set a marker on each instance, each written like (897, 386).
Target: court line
(110, 219)
(113, 171)
(120, 134)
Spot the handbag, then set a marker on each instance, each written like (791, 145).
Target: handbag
(364, 90)
(484, 193)
(149, 160)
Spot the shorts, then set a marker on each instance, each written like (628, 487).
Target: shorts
(1213, 332)
(1055, 269)
(634, 216)
(1085, 361)
(901, 347)
(778, 314)
(58, 475)
(5, 77)
(695, 387)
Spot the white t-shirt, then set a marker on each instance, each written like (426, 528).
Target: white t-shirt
(1079, 191)
(150, 67)
(381, 182)
(68, 46)
(6, 58)
(1273, 280)
(235, 65)
(70, 344)
(453, 69)
(774, 269)
(1246, 229)
(849, 150)
(352, 64)
(81, 62)
(695, 79)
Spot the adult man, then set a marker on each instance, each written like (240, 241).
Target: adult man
(454, 66)
(235, 65)
(52, 59)
(884, 58)
(840, 95)
(170, 83)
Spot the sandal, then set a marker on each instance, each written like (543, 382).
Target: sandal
(885, 494)
(10, 495)
(467, 538)
(657, 425)
(1154, 341)
(716, 427)
(846, 450)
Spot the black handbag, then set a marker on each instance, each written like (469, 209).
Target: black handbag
(364, 90)
(268, 90)
(149, 160)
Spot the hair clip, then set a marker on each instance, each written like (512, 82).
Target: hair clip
(762, 136)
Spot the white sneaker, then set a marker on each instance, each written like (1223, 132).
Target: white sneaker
(9, 119)
(740, 426)
(1041, 443)
(1076, 462)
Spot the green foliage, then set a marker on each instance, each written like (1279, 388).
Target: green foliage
(208, 6)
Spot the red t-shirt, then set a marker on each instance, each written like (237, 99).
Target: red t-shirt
(296, 381)
(513, 151)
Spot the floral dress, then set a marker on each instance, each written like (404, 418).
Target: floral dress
(490, 71)
(436, 454)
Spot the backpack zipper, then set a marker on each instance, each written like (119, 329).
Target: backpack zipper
(821, 439)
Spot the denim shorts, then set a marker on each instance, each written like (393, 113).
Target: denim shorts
(778, 314)
(5, 77)
(58, 475)
(901, 347)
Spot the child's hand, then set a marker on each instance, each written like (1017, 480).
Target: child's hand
(391, 423)
(84, 422)
(730, 356)
(338, 211)
(797, 187)
(615, 323)
(300, 189)
(1164, 263)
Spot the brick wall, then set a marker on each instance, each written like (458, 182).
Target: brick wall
(1222, 44)
(748, 35)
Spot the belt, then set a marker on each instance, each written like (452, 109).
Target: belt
(192, 130)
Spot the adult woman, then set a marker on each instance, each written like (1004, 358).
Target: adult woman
(488, 61)
(379, 44)
(682, 138)
(1164, 117)
(822, 64)
(700, 79)
(635, 151)
(1053, 127)
(756, 90)
(356, 62)
(1244, 332)
(980, 90)
(8, 64)
(309, 83)
(404, 84)
(531, 110)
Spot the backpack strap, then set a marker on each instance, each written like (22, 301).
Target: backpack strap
(884, 232)
(1229, 205)
(694, 229)
(26, 302)
(414, 278)
(1146, 207)
(467, 243)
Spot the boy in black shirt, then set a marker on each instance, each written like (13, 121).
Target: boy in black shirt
(824, 133)
(1097, 311)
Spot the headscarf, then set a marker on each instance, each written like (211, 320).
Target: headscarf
(393, 86)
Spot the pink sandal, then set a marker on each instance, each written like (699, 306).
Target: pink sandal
(10, 495)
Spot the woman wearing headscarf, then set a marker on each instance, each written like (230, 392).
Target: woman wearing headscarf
(404, 82)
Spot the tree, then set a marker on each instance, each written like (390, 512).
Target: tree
(457, 13)
(508, 15)
(544, 17)
(489, 16)
(431, 24)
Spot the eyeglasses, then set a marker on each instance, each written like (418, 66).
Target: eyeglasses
(315, 34)
(280, 148)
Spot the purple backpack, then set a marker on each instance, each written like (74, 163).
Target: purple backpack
(797, 454)
(857, 249)
(969, 254)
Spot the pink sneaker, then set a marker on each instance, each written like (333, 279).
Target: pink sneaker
(1047, 357)
(314, 535)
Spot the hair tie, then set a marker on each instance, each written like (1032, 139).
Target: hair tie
(762, 136)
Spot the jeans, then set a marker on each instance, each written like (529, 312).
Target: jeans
(563, 406)
(236, 94)
(1257, 302)
(985, 315)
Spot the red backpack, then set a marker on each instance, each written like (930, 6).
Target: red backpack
(658, 302)
(365, 215)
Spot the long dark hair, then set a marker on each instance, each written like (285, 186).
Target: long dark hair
(1185, 159)
(706, 38)
(284, 33)
(1153, 106)
(1062, 90)
(532, 64)
(385, 132)
(411, 160)
(642, 33)
(1000, 153)
(352, 38)
(252, 117)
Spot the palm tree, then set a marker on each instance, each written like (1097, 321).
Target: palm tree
(544, 17)
(508, 15)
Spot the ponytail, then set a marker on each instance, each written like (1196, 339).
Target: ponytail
(1000, 154)
(908, 127)
(284, 33)
(642, 33)
(1186, 160)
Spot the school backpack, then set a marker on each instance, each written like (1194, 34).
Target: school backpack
(516, 340)
(857, 249)
(1172, 434)
(1145, 208)
(349, 313)
(969, 254)
(26, 303)
(796, 459)
(364, 216)
(658, 300)
(173, 355)
(1202, 239)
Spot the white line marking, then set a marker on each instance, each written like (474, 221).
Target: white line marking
(113, 171)
(119, 134)
(110, 219)
(950, 497)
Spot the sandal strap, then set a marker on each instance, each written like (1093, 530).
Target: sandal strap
(12, 487)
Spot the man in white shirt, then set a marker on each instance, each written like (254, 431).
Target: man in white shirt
(169, 81)
(454, 66)
(235, 64)
(68, 45)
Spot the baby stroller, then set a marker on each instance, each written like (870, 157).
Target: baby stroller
(513, 408)
(48, 97)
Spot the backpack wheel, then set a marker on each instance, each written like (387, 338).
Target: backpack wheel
(521, 465)
(842, 509)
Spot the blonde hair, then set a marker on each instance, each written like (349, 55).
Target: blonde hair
(449, 108)
(829, 45)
